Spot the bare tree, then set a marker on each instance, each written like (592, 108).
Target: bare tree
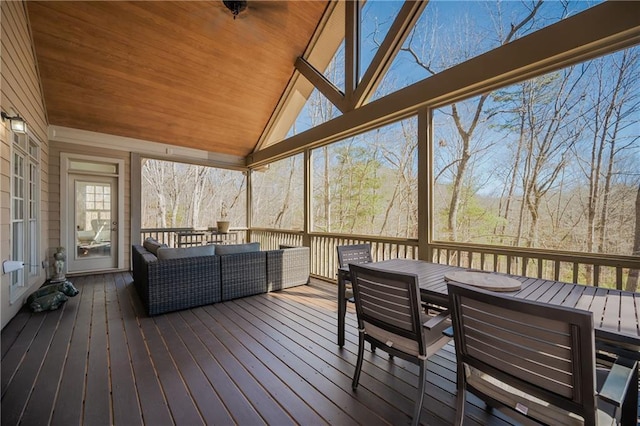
(197, 176)
(424, 59)
(634, 274)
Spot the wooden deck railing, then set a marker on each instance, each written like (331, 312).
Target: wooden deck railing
(582, 268)
(271, 240)
(599, 270)
(324, 257)
(169, 237)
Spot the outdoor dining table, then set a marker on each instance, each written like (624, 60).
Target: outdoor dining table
(616, 313)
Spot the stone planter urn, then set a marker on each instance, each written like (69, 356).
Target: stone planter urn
(223, 226)
(60, 257)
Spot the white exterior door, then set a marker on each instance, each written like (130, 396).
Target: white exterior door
(94, 230)
(91, 212)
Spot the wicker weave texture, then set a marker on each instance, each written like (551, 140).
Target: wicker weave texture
(174, 284)
(287, 268)
(244, 274)
(183, 283)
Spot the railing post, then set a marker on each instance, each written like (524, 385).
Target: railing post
(308, 185)
(425, 186)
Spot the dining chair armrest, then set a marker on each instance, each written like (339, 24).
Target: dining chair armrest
(618, 381)
(437, 320)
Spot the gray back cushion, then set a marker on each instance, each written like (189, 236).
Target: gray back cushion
(152, 245)
(179, 253)
(237, 248)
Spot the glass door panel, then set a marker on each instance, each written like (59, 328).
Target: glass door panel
(94, 223)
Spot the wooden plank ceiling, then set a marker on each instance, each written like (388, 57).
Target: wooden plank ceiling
(183, 73)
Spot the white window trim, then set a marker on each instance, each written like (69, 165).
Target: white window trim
(31, 237)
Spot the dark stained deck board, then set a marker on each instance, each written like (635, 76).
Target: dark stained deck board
(297, 339)
(12, 331)
(126, 406)
(267, 359)
(266, 408)
(19, 390)
(97, 401)
(247, 351)
(68, 406)
(239, 408)
(317, 352)
(178, 398)
(153, 405)
(295, 406)
(12, 360)
(209, 404)
(285, 345)
(339, 369)
(40, 406)
(287, 366)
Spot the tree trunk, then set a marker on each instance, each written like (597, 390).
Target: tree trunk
(634, 274)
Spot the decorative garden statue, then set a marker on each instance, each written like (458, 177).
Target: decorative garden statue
(51, 297)
(58, 291)
(60, 256)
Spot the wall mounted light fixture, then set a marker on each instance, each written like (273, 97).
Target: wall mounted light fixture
(18, 125)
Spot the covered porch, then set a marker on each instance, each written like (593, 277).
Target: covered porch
(271, 358)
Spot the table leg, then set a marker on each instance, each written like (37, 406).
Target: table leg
(342, 307)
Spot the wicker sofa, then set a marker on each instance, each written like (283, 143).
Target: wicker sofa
(166, 285)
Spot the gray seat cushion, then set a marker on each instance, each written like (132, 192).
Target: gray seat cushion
(222, 249)
(152, 245)
(179, 253)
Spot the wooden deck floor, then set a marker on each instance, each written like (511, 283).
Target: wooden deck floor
(267, 359)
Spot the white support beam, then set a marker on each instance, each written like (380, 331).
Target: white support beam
(612, 26)
(387, 51)
(321, 83)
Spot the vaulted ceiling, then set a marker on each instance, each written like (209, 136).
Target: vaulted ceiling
(184, 73)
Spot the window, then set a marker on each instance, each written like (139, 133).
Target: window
(451, 32)
(278, 194)
(213, 194)
(550, 163)
(25, 225)
(367, 184)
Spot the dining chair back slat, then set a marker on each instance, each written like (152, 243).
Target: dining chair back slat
(536, 359)
(390, 302)
(356, 254)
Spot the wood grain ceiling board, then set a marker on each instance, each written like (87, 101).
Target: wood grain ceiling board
(183, 73)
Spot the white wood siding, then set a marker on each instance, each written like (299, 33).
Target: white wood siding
(20, 89)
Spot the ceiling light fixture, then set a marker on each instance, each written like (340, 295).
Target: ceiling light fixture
(18, 125)
(235, 6)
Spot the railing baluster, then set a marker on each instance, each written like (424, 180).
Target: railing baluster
(498, 259)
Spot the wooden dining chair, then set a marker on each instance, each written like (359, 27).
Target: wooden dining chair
(391, 318)
(536, 362)
(356, 254)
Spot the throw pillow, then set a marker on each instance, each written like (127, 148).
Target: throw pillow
(237, 248)
(152, 245)
(179, 253)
